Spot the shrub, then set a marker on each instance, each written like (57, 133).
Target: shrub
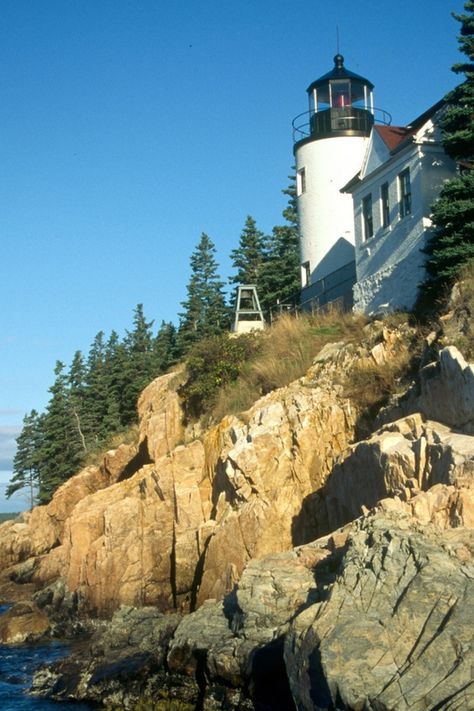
(212, 364)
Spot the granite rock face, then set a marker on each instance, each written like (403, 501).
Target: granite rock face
(263, 469)
(405, 460)
(374, 616)
(444, 393)
(371, 617)
(393, 631)
(343, 570)
(174, 524)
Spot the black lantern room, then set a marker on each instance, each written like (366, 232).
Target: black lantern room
(340, 104)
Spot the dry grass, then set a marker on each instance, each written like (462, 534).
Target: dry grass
(370, 385)
(286, 351)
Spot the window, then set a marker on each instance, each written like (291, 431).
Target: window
(404, 191)
(385, 205)
(301, 181)
(368, 220)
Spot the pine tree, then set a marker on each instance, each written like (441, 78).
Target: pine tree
(280, 278)
(452, 243)
(205, 313)
(26, 464)
(249, 257)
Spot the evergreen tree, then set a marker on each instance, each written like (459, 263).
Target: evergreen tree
(26, 464)
(164, 347)
(280, 278)
(249, 257)
(61, 449)
(458, 123)
(77, 396)
(95, 392)
(137, 369)
(452, 243)
(114, 359)
(205, 312)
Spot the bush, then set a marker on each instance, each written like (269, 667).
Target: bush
(211, 365)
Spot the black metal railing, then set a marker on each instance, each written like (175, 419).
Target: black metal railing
(330, 121)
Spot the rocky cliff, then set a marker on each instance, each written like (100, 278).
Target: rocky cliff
(343, 567)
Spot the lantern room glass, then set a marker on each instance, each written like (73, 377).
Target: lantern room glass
(340, 93)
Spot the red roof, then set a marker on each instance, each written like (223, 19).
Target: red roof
(392, 136)
(395, 136)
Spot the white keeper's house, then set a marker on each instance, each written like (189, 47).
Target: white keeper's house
(364, 194)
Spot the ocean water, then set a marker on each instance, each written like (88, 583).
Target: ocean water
(17, 665)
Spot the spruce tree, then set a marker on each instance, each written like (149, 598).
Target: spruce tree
(77, 397)
(27, 464)
(280, 278)
(205, 313)
(249, 257)
(452, 243)
(61, 449)
(164, 347)
(137, 369)
(95, 392)
(458, 122)
(114, 358)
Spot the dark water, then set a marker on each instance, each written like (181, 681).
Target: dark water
(17, 665)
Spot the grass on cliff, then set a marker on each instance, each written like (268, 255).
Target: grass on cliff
(227, 375)
(371, 383)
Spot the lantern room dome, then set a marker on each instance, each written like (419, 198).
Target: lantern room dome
(338, 72)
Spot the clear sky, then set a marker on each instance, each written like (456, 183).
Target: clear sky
(128, 127)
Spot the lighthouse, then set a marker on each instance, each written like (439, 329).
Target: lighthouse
(330, 141)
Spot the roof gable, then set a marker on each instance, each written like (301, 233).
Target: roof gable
(392, 136)
(377, 152)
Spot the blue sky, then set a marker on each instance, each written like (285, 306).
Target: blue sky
(128, 127)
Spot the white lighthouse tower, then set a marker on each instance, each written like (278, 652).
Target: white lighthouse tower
(330, 143)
